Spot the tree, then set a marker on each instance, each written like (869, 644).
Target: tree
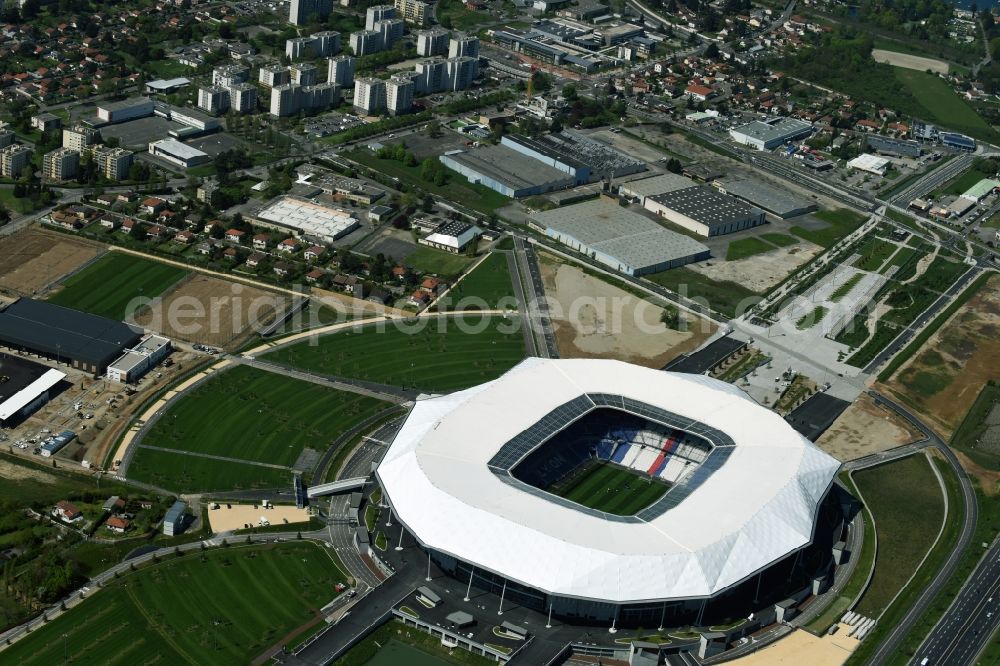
(569, 92)
(712, 51)
(433, 129)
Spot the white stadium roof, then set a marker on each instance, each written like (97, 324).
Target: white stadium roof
(756, 506)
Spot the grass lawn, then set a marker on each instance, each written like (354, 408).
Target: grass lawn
(395, 643)
(781, 240)
(884, 334)
(108, 285)
(841, 222)
(811, 318)
(487, 287)
(610, 488)
(974, 426)
(729, 298)
(453, 12)
(945, 107)
(873, 253)
(993, 222)
(188, 474)
(430, 354)
(905, 498)
(855, 333)
(445, 264)
(746, 247)
(223, 606)
(458, 188)
(10, 202)
(923, 291)
(845, 289)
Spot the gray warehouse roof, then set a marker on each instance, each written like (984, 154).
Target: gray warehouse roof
(706, 205)
(772, 199)
(773, 130)
(648, 187)
(54, 330)
(508, 167)
(631, 238)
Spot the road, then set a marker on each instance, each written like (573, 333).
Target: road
(537, 309)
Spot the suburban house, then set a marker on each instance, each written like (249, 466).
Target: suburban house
(314, 253)
(235, 235)
(289, 245)
(129, 225)
(185, 237)
(256, 259)
(315, 275)
(117, 524)
(66, 511)
(261, 241)
(153, 205)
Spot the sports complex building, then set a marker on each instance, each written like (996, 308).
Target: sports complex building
(604, 492)
(24, 387)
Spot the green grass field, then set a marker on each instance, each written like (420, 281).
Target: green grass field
(611, 489)
(905, 498)
(874, 252)
(846, 287)
(840, 223)
(746, 247)
(781, 240)
(224, 606)
(945, 107)
(430, 354)
(445, 264)
(811, 318)
(395, 644)
(247, 414)
(487, 287)
(107, 285)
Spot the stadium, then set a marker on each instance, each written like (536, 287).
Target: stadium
(603, 492)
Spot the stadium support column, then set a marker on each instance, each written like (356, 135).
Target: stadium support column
(663, 616)
(428, 579)
(795, 565)
(548, 623)
(614, 621)
(389, 522)
(757, 593)
(502, 593)
(401, 530)
(701, 612)
(472, 572)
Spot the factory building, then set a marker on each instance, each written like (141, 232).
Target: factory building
(127, 109)
(705, 211)
(506, 171)
(769, 134)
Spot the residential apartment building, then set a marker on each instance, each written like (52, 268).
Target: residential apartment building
(60, 164)
(114, 163)
(399, 94)
(13, 160)
(369, 96)
(432, 42)
(79, 137)
(340, 70)
(416, 12)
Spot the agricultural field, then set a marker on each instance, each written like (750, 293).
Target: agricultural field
(248, 415)
(611, 489)
(233, 311)
(942, 379)
(440, 354)
(840, 223)
(222, 606)
(107, 286)
(488, 287)
(906, 501)
(34, 258)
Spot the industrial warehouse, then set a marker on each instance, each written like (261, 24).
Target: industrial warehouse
(585, 158)
(507, 171)
(640, 190)
(84, 341)
(705, 211)
(24, 387)
(617, 237)
(307, 219)
(769, 134)
(780, 203)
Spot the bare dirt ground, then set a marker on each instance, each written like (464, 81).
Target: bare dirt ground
(865, 428)
(761, 272)
(20, 473)
(989, 479)
(32, 259)
(631, 146)
(801, 647)
(943, 379)
(227, 308)
(226, 519)
(909, 61)
(595, 319)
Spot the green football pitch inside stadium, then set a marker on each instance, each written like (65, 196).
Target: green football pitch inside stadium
(610, 488)
(221, 606)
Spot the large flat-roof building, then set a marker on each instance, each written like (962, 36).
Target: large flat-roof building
(506, 171)
(83, 340)
(126, 109)
(774, 200)
(705, 211)
(308, 219)
(885, 145)
(25, 387)
(138, 360)
(178, 153)
(769, 134)
(452, 236)
(585, 158)
(617, 237)
(641, 189)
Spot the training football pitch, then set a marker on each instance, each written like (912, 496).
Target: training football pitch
(107, 285)
(222, 606)
(245, 414)
(437, 354)
(609, 488)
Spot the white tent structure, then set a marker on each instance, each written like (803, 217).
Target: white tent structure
(752, 503)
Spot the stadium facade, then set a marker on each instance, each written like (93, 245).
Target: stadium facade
(745, 517)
